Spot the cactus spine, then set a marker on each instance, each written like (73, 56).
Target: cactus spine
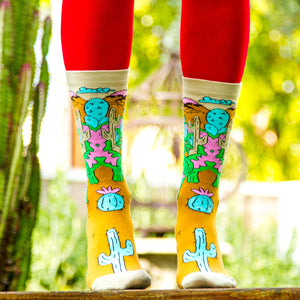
(19, 165)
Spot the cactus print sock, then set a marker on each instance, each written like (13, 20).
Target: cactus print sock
(209, 109)
(98, 99)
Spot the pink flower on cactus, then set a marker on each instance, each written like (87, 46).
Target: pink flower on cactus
(202, 192)
(109, 190)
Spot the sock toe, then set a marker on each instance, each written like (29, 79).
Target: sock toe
(208, 280)
(124, 280)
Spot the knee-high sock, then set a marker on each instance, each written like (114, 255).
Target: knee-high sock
(96, 41)
(214, 39)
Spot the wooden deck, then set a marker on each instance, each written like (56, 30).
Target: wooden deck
(216, 294)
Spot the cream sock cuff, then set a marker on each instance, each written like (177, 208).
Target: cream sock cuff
(196, 89)
(116, 80)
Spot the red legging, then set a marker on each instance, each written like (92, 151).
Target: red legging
(97, 35)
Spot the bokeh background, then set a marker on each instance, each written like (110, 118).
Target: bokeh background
(258, 220)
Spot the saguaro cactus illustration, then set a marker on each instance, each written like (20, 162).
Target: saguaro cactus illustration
(224, 144)
(22, 94)
(117, 253)
(84, 136)
(111, 134)
(196, 135)
(201, 253)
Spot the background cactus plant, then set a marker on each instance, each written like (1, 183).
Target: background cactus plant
(23, 91)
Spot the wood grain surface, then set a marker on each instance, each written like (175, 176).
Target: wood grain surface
(216, 294)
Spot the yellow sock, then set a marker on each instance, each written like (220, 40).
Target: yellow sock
(98, 99)
(209, 109)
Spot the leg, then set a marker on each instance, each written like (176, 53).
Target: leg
(214, 41)
(96, 42)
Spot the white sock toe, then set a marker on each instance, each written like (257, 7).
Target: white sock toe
(121, 281)
(208, 280)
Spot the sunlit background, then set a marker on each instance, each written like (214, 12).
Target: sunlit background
(260, 180)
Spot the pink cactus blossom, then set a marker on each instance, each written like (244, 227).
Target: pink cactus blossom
(202, 192)
(109, 190)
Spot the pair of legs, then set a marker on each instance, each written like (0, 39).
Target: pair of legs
(96, 41)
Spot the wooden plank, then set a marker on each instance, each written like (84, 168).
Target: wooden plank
(216, 294)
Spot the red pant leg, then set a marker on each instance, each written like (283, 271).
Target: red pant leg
(214, 39)
(96, 34)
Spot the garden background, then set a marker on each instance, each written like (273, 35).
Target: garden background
(265, 149)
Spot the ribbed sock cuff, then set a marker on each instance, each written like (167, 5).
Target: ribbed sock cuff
(87, 83)
(197, 89)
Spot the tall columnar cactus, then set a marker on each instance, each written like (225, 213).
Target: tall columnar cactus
(196, 135)
(111, 134)
(117, 253)
(21, 95)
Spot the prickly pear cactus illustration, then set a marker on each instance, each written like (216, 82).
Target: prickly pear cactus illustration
(96, 110)
(202, 202)
(201, 252)
(100, 131)
(110, 201)
(117, 253)
(217, 120)
(206, 134)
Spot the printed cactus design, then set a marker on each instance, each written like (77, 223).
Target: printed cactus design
(209, 157)
(83, 135)
(96, 110)
(196, 135)
(100, 132)
(110, 201)
(217, 120)
(201, 253)
(117, 253)
(206, 137)
(223, 144)
(111, 134)
(202, 202)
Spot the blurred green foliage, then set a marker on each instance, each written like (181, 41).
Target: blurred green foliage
(269, 110)
(255, 260)
(155, 36)
(59, 251)
(268, 116)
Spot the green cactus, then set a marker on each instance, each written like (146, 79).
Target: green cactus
(111, 134)
(19, 165)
